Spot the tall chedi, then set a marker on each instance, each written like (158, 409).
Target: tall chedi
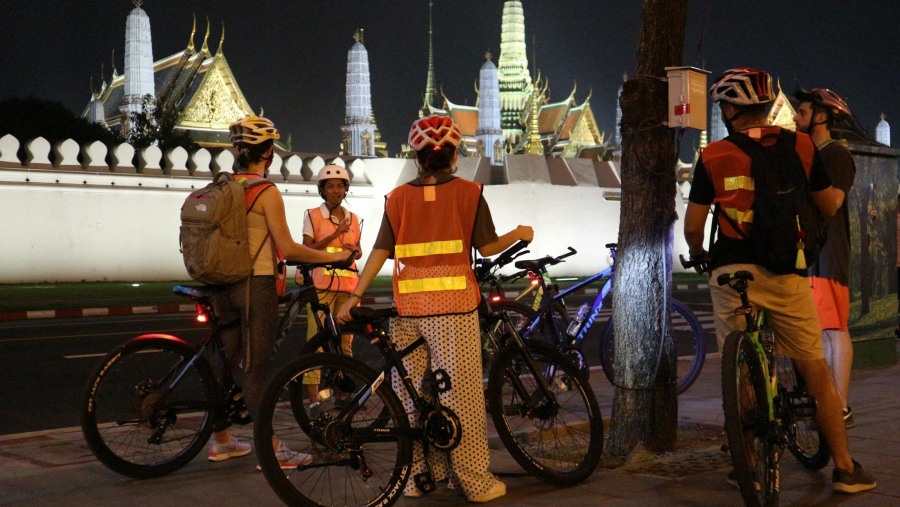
(138, 77)
(359, 129)
(512, 70)
(489, 133)
(430, 91)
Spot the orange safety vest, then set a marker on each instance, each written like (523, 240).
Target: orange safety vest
(338, 280)
(433, 227)
(729, 169)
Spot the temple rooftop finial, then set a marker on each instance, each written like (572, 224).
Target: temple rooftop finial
(190, 45)
(221, 38)
(205, 47)
(137, 3)
(358, 35)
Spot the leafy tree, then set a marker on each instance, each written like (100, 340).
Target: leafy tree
(156, 126)
(31, 117)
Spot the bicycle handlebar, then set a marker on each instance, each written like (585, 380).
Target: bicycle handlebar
(485, 266)
(540, 264)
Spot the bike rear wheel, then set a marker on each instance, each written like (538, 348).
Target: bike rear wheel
(557, 440)
(130, 425)
(754, 451)
(689, 339)
(361, 453)
(806, 442)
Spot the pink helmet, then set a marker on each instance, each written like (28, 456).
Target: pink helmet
(433, 131)
(743, 86)
(827, 99)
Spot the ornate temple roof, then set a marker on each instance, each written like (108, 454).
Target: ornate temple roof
(199, 84)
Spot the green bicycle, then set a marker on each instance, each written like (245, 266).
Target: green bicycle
(766, 405)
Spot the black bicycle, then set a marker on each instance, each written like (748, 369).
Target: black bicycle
(361, 440)
(150, 406)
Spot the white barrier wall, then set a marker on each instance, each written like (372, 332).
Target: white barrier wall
(87, 221)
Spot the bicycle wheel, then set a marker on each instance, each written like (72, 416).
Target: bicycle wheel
(130, 425)
(522, 316)
(557, 440)
(754, 451)
(806, 442)
(690, 346)
(353, 463)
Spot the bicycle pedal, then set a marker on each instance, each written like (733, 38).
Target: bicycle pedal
(424, 482)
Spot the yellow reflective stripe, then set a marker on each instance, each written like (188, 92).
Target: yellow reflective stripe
(431, 284)
(431, 248)
(741, 217)
(739, 183)
(338, 272)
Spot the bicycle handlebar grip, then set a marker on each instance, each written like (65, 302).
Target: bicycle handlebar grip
(505, 257)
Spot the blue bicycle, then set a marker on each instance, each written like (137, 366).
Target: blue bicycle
(545, 323)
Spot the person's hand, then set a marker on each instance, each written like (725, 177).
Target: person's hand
(525, 233)
(298, 277)
(343, 227)
(343, 313)
(355, 249)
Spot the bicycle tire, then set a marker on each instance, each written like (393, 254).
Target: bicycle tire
(560, 446)
(754, 451)
(690, 346)
(121, 409)
(522, 315)
(342, 450)
(806, 442)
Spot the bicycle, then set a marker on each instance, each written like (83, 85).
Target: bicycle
(362, 442)
(766, 406)
(150, 405)
(544, 324)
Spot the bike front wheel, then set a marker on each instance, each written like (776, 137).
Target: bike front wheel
(806, 442)
(687, 335)
(754, 451)
(354, 448)
(557, 436)
(130, 419)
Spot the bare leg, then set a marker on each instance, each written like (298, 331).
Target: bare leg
(839, 354)
(828, 413)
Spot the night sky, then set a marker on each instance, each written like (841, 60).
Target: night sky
(290, 56)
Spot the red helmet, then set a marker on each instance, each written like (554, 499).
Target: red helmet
(433, 131)
(743, 87)
(832, 102)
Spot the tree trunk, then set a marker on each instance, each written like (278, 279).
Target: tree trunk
(645, 405)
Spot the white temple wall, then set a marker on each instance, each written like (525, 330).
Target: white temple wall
(71, 224)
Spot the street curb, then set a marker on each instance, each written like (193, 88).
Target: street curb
(185, 308)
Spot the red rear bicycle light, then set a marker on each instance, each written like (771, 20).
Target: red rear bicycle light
(534, 281)
(202, 317)
(496, 298)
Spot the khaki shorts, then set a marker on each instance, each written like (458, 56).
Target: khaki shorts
(789, 306)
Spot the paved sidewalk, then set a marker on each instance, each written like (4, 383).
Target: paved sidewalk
(55, 468)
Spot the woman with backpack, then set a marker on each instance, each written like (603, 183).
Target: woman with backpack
(255, 301)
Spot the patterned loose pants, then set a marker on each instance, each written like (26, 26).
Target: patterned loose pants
(455, 348)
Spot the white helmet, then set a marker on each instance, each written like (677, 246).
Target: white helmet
(333, 172)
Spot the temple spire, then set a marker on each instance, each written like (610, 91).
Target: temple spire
(429, 81)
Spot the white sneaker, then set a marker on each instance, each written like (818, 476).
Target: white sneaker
(288, 459)
(233, 448)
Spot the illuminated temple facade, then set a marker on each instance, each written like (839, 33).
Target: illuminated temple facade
(509, 98)
(197, 83)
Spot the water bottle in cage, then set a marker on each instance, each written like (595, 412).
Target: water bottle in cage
(572, 330)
